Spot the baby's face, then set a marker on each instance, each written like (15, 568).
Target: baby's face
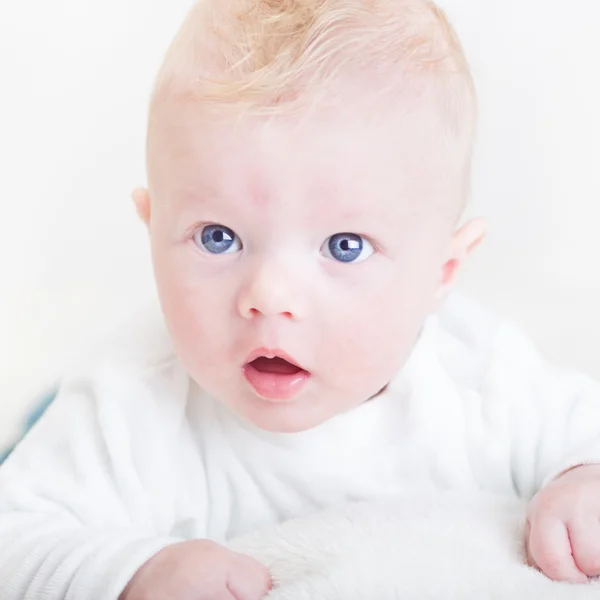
(317, 245)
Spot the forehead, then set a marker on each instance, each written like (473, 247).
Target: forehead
(356, 161)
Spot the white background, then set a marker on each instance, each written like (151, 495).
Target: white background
(74, 81)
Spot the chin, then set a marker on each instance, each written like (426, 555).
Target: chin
(285, 421)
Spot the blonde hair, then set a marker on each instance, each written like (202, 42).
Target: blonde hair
(276, 56)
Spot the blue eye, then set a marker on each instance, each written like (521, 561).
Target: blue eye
(347, 247)
(218, 239)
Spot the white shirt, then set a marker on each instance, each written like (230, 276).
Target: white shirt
(133, 456)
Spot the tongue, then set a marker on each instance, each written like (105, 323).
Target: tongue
(275, 365)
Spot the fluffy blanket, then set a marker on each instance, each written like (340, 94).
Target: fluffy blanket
(418, 547)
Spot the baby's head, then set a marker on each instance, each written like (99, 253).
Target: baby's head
(308, 161)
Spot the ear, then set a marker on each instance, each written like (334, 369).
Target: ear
(464, 241)
(141, 199)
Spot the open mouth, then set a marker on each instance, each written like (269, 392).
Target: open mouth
(275, 377)
(276, 365)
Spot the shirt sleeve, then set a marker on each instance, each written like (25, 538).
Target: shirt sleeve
(79, 513)
(551, 415)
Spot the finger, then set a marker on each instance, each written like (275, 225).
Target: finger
(550, 551)
(248, 579)
(585, 545)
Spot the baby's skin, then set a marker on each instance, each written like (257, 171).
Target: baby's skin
(562, 535)
(268, 233)
(199, 570)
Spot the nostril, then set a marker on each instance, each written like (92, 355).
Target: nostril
(253, 312)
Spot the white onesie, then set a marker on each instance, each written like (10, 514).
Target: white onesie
(133, 456)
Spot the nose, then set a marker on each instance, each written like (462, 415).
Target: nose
(272, 289)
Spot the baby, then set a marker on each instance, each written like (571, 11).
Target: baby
(308, 164)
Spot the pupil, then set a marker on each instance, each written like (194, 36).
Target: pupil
(345, 245)
(218, 236)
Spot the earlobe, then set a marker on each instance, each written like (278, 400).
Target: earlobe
(141, 199)
(464, 241)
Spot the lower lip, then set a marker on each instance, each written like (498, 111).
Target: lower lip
(276, 386)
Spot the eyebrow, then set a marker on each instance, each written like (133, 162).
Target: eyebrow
(200, 193)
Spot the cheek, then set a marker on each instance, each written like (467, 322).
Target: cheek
(377, 339)
(372, 335)
(194, 310)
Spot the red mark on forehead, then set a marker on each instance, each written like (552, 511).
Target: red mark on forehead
(260, 187)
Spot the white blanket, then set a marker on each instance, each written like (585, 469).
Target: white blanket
(418, 547)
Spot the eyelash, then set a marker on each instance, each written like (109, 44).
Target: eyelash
(198, 229)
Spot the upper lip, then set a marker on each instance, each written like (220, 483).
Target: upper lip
(272, 353)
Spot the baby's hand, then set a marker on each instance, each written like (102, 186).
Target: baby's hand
(563, 526)
(199, 570)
